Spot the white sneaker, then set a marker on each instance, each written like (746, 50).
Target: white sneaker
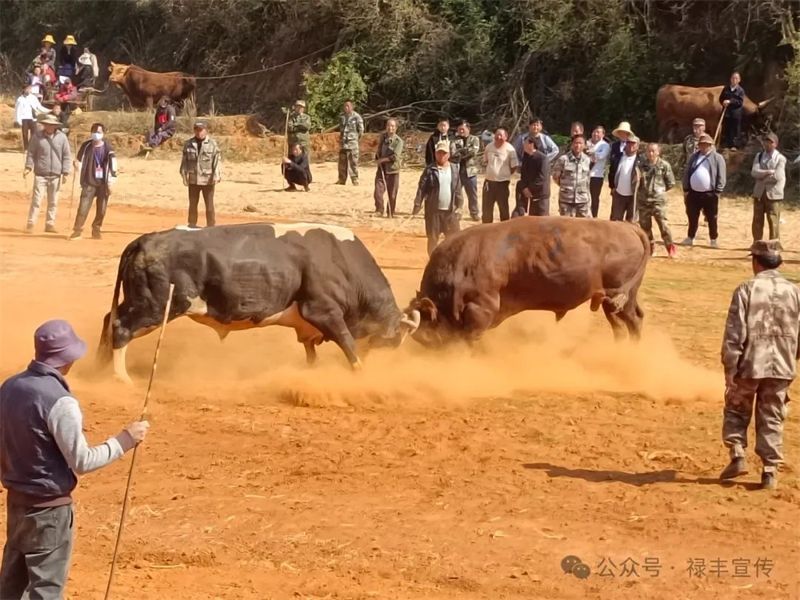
(714, 244)
(688, 242)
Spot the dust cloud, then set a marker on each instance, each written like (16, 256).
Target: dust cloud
(529, 353)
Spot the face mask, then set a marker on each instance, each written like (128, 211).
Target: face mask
(97, 136)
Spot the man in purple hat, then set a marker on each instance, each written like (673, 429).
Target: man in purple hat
(42, 448)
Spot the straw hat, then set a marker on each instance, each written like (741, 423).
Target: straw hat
(623, 127)
(49, 39)
(70, 40)
(49, 119)
(300, 103)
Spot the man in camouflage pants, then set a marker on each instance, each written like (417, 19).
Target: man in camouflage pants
(351, 128)
(759, 353)
(298, 128)
(571, 173)
(657, 179)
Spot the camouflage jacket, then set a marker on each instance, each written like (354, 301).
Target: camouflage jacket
(203, 165)
(689, 147)
(656, 180)
(571, 173)
(390, 147)
(351, 128)
(466, 152)
(298, 128)
(761, 333)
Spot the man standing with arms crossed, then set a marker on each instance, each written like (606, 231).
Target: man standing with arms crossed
(42, 448)
(759, 353)
(351, 128)
(465, 151)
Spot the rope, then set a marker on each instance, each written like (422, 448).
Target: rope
(257, 71)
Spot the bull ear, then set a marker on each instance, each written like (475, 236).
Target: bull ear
(763, 103)
(427, 310)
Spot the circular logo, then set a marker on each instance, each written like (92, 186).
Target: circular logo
(568, 563)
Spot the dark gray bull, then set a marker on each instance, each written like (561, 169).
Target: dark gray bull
(318, 279)
(478, 278)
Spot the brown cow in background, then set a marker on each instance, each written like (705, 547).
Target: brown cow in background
(678, 105)
(144, 88)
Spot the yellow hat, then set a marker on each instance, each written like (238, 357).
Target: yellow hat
(70, 40)
(49, 39)
(623, 127)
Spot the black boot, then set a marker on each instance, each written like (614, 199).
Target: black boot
(769, 480)
(736, 468)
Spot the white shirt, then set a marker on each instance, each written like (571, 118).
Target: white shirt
(500, 161)
(599, 153)
(25, 107)
(700, 181)
(445, 186)
(624, 172)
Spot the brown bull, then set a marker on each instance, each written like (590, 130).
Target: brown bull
(678, 105)
(478, 278)
(144, 88)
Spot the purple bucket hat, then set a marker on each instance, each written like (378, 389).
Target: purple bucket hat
(57, 345)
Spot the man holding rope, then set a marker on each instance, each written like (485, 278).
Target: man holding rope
(42, 448)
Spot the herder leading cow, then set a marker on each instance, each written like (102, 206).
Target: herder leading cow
(318, 279)
(478, 278)
(678, 105)
(143, 87)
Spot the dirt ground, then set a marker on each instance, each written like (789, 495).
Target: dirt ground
(430, 475)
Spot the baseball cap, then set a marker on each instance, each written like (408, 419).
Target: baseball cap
(443, 146)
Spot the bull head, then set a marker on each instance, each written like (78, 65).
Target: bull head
(427, 318)
(117, 72)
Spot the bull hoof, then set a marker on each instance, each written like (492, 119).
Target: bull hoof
(357, 366)
(123, 378)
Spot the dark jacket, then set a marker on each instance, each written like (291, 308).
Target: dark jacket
(300, 165)
(716, 165)
(613, 162)
(736, 96)
(31, 463)
(430, 147)
(109, 165)
(167, 114)
(428, 189)
(535, 175)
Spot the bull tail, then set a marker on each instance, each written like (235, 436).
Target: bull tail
(645, 253)
(105, 348)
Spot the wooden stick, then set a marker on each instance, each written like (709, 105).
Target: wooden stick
(719, 124)
(135, 448)
(286, 139)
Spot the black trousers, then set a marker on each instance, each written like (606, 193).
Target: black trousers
(89, 193)
(208, 200)
(595, 186)
(296, 177)
(708, 204)
(494, 192)
(731, 126)
(537, 207)
(623, 208)
(28, 127)
(386, 182)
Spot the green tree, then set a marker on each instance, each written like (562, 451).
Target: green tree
(328, 90)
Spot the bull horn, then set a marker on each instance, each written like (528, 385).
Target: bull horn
(413, 322)
(763, 103)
